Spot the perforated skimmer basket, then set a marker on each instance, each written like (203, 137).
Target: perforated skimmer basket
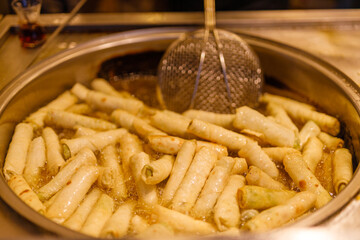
(179, 67)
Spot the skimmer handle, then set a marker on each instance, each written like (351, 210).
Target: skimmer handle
(209, 6)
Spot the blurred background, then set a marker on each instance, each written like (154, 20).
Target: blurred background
(92, 6)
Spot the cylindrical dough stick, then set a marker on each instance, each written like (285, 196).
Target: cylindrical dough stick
(80, 108)
(77, 219)
(222, 120)
(240, 166)
(144, 129)
(98, 216)
(111, 159)
(54, 156)
(83, 131)
(84, 157)
(213, 187)
(254, 155)
(62, 102)
(66, 119)
(102, 85)
(194, 180)
(123, 119)
(281, 116)
(274, 133)
(106, 102)
(96, 141)
(181, 165)
(171, 123)
(36, 159)
(130, 144)
(342, 169)
(255, 197)
(257, 177)
(310, 129)
(16, 156)
(302, 112)
(172, 145)
(22, 189)
(305, 179)
(226, 210)
(158, 170)
(330, 142)
(279, 215)
(312, 153)
(138, 224)
(157, 230)
(147, 193)
(277, 154)
(214, 133)
(181, 222)
(118, 224)
(72, 194)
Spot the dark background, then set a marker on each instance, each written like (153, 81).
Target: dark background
(59, 6)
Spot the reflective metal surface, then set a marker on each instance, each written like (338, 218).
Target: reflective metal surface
(299, 70)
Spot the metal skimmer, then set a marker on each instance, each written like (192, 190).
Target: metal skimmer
(210, 69)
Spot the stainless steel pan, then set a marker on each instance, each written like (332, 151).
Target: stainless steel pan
(320, 82)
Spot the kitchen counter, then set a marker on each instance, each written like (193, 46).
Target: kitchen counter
(333, 35)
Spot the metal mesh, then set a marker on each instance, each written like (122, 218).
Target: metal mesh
(179, 66)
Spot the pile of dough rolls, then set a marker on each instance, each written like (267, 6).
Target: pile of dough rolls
(101, 162)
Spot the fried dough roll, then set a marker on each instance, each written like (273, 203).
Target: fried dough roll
(305, 179)
(281, 214)
(213, 187)
(68, 199)
(110, 159)
(171, 123)
(130, 144)
(118, 224)
(310, 129)
(80, 108)
(214, 133)
(172, 145)
(254, 197)
(77, 219)
(240, 166)
(281, 116)
(54, 156)
(123, 119)
(138, 224)
(157, 230)
(158, 170)
(106, 102)
(255, 156)
(36, 159)
(66, 119)
(84, 157)
(102, 85)
(181, 222)
(274, 133)
(147, 193)
(342, 169)
(257, 177)
(83, 131)
(18, 149)
(226, 210)
(62, 102)
(144, 129)
(22, 189)
(325, 173)
(312, 153)
(277, 154)
(222, 120)
(303, 112)
(95, 142)
(330, 142)
(180, 167)
(194, 180)
(98, 216)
